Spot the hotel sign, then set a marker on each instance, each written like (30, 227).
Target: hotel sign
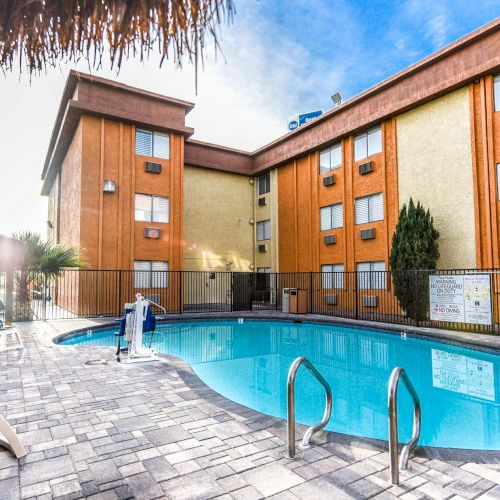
(461, 298)
(297, 121)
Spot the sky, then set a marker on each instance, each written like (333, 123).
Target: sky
(279, 57)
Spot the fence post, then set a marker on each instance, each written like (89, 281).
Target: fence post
(181, 295)
(276, 291)
(44, 297)
(310, 292)
(417, 301)
(356, 293)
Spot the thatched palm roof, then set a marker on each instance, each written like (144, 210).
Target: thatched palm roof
(39, 33)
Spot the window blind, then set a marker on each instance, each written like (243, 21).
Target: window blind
(264, 184)
(159, 274)
(330, 158)
(143, 142)
(361, 209)
(376, 202)
(368, 143)
(161, 209)
(374, 141)
(143, 207)
(371, 275)
(331, 217)
(161, 145)
(141, 274)
(369, 208)
(332, 276)
(264, 230)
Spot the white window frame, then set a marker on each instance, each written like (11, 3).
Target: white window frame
(362, 147)
(371, 275)
(325, 158)
(372, 217)
(336, 216)
(153, 275)
(150, 217)
(496, 92)
(267, 183)
(265, 233)
(332, 276)
(155, 146)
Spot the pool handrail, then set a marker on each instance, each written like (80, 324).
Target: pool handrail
(292, 374)
(392, 401)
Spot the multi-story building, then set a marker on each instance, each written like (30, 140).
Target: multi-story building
(128, 185)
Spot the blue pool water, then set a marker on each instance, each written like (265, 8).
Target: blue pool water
(248, 363)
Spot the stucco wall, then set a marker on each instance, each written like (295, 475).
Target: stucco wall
(217, 210)
(269, 211)
(70, 196)
(435, 168)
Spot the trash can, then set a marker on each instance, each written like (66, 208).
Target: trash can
(285, 301)
(298, 301)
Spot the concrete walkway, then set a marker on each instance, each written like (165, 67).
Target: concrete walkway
(97, 429)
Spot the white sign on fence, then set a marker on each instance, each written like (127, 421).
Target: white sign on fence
(461, 298)
(462, 374)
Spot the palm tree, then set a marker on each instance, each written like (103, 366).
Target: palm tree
(46, 33)
(40, 264)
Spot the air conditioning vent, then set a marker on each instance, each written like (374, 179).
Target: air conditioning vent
(366, 168)
(262, 202)
(368, 234)
(153, 168)
(330, 239)
(331, 300)
(370, 301)
(329, 180)
(152, 232)
(263, 248)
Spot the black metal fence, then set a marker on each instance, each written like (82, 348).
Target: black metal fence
(400, 297)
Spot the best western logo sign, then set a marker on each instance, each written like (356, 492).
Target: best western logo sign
(296, 121)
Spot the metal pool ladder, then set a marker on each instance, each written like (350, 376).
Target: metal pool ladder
(392, 400)
(292, 374)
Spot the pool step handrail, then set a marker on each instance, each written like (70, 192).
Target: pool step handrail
(292, 374)
(392, 401)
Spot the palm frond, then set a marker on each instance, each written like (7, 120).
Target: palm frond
(42, 33)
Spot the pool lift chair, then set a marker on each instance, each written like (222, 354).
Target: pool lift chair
(137, 320)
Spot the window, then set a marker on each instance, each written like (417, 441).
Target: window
(155, 144)
(264, 183)
(151, 208)
(331, 216)
(371, 275)
(496, 91)
(368, 143)
(330, 158)
(150, 274)
(369, 208)
(332, 276)
(263, 230)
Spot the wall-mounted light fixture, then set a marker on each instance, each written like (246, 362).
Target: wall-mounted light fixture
(251, 221)
(109, 186)
(251, 180)
(49, 223)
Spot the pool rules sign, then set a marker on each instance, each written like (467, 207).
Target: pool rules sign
(461, 299)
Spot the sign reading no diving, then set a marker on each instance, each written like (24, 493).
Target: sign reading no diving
(461, 299)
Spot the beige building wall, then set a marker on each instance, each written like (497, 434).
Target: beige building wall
(435, 168)
(218, 207)
(269, 258)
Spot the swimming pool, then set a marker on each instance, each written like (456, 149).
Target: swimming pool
(248, 363)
